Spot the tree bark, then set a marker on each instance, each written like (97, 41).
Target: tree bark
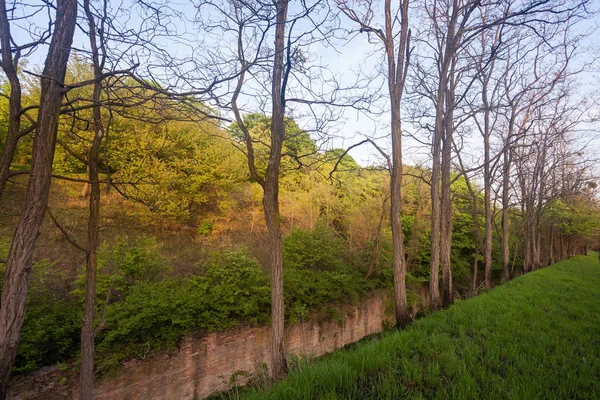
(506, 200)
(396, 79)
(551, 246)
(19, 263)
(9, 66)
(487, 187)
(88, 329)
(271, 198)
(435, 200)
(446, 214)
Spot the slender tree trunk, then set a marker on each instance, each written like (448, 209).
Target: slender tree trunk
(446, 209)
(475, 272)
(14, 101)
(19, 263)
(271, 198)
(402, 312)
(487, 188)
(88, 329)
(476, 233)
(535, 241)
(437, 247)
(506, 205)
(551, 246)
(415, 241)
(561, 249)
(396, 78)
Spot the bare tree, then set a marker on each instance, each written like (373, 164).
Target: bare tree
(292, 80)
(18, 265)
(397, 50)
(11, 57)
(88, 329)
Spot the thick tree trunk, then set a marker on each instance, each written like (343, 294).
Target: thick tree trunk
(271, 199)
(399, 262)
(396, 76)
(435, 226)
(19, 263)
(14, 101)
(446, 219)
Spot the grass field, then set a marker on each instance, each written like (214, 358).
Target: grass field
(536, 337)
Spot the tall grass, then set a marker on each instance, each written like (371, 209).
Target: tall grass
(536, 337)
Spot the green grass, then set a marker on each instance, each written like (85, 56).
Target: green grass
(536, 337)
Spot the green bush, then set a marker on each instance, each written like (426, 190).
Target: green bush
(122, 265)
(51, 329)
(50, 333)
(305, 289)
(148, 312)
(154, 314)
(319, 249)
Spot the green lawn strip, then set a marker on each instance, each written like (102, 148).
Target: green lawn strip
(537, 336)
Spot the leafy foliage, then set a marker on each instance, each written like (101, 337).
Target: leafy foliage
(318, 249)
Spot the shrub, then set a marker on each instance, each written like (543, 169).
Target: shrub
(51, 329)
(155, 314)
(319, 249)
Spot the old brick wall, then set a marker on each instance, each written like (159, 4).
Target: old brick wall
(212, 362)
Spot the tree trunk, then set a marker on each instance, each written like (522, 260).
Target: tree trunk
(396, 76)
(271, 198)
(475, 272)
(561, 251)
(435, 226)
(19, 263)
(487, 188)
(446, 219)
(14, 101)
(476, 233)
(437, 222)
(506, 205)
(446, 209)
(85, 191)
(551, 249)
(88, 329)
(399, 262)
(415, 241)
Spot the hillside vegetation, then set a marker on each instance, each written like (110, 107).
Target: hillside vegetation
(535, 337)
(184, 245)
(168, 168)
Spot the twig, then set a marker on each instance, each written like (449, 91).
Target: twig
(64, 232)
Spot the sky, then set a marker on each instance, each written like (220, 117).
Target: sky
(342, 59)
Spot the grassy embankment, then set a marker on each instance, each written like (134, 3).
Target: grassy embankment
(535, 337)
